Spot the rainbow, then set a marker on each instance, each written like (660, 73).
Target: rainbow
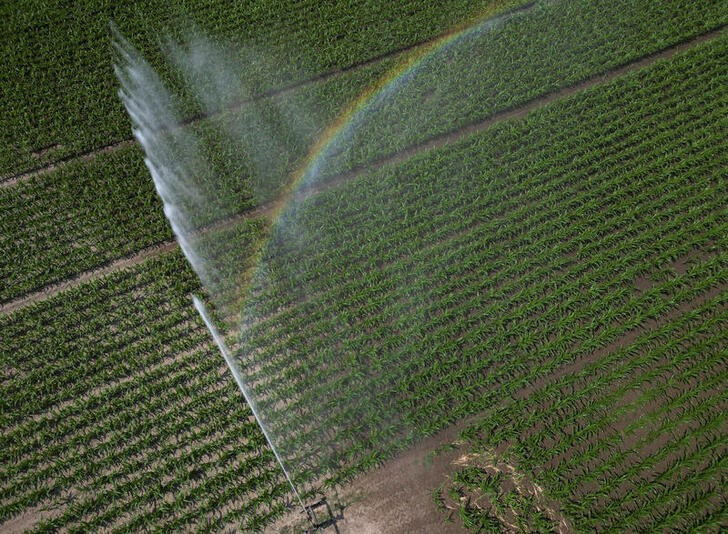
(386, 85)
(306, 172)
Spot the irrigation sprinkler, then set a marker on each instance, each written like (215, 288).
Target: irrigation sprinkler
(235, 370)
(317, 523)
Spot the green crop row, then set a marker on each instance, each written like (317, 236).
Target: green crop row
(182, 400)
(316, 343)
(482, 232)
(480, 154)
(506, 66)
(577, 406)
(701, 512)
(113, 210)
(641, 420)
(418, 380)
(688, 472)
(530, 453)
(59, 86)
(62, 378)
(439, 380)
(322, 260)
(126, 340)
(533, 454)
(586, 443)
(667, 204)
(413, 296)
(89, 213)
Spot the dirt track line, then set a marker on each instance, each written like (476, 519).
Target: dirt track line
(13, 178)
(624, 340)
(10, 180)
(116, 265)
(453, 136)
(264, 210)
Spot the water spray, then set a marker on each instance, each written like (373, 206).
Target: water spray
(200, 189)
(235, 370)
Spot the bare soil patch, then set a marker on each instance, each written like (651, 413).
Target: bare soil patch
(30, 518)
(395, 498)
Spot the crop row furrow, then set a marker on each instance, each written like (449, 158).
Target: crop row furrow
(509, 274)
(467, 239)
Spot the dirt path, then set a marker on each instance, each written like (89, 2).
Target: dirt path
(435, 142)
(395, 498)
(10, 180)
(399, 497)
(54, 289)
